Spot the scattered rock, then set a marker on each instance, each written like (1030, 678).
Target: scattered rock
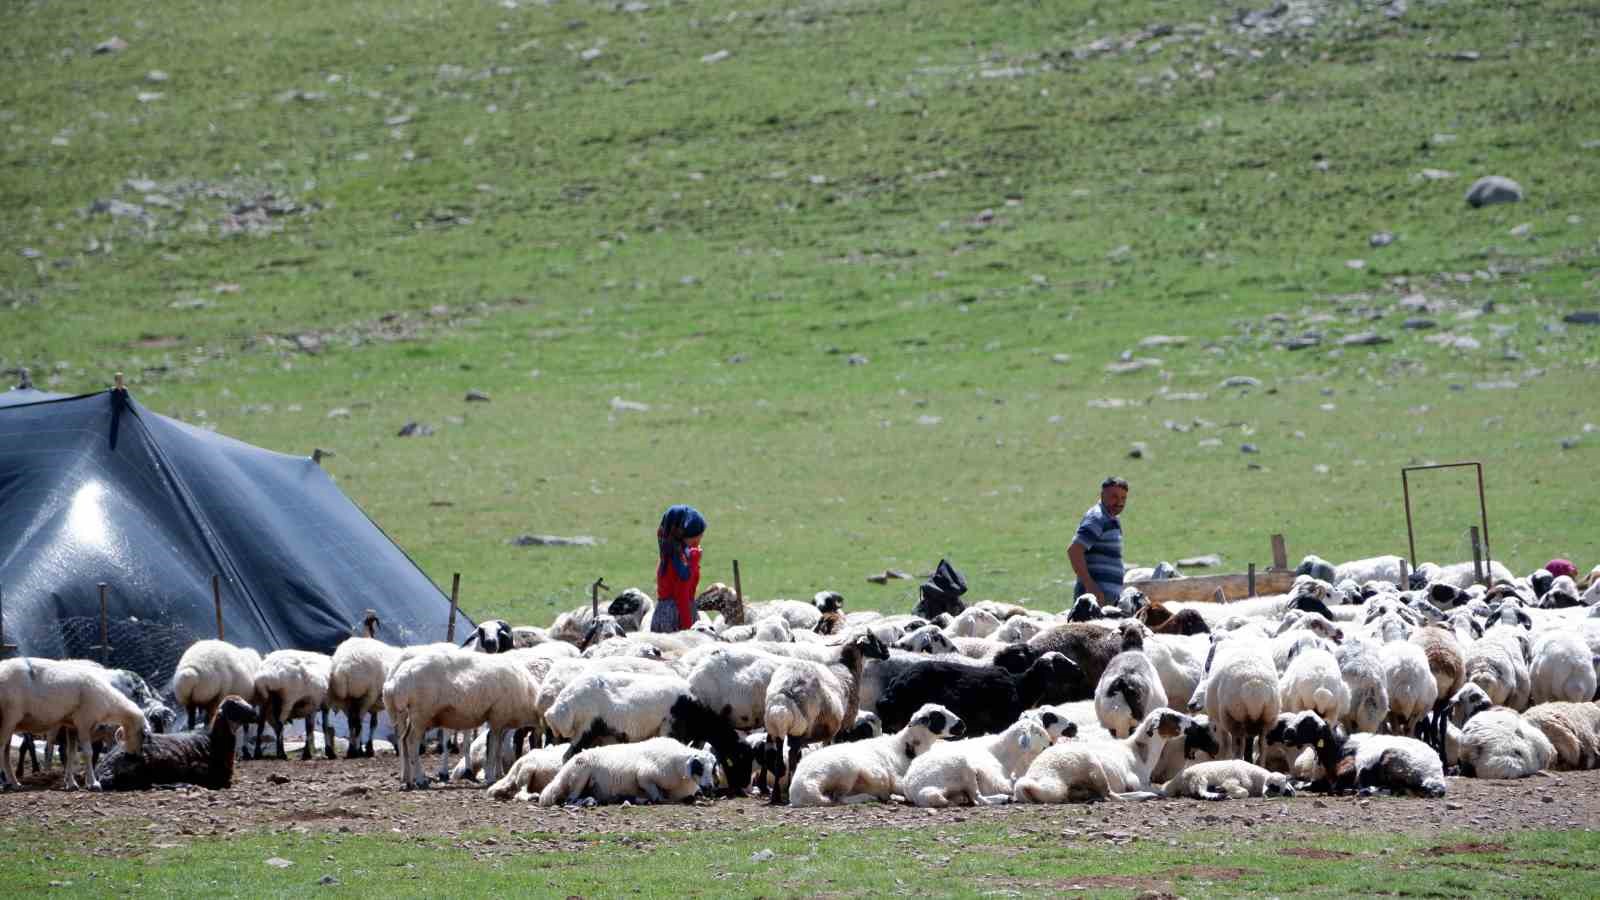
(1249, 448)
(1357, 264)
(278, 862)
(110, 45)
(1363, 339)
(1210, 442)
(1504, 384)
(1303, 342)
(1492, 189)
(1163, 340)
(1381, 239)
(887, 575)
(1061, 358)
(1582, 317)
(1419, 324)
(414, 429)
(1234, 381)
(929, 420)
(1138, 450)
(327, 880)
(1466, 56)
(716, 57)
(338, 412)
(477, 396)
(1568, 443)
(1437, 174)
(156, 76)
(1522, 231)
(1108, 403)
(1205, 561)
(591, 54)
(857, 359)
(1120, 253)
(620, 405)
(1129, 366)
(552, 540)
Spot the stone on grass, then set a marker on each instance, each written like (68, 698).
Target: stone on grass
(1363, 339)
(1233, 381)
(1138, 450)
(111, 45)
(477, 396)
(553, 540)
(1129, 366)
(1582, 317)
(620, 405)
(1523, 230)
(1249, 448)
(414, 429)
(1492, 189)
(1205, 561)
(1381, 239)
(278, 862)
(1419, 324)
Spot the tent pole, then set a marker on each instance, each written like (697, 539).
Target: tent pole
(216, 600)
(455, 593)
(105, 627)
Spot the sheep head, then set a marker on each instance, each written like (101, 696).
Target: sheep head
(828, 601)
(1278, 785)
(1084, 609)
(1200, 737)
(630, 602)
(720, 598)
(939, 721)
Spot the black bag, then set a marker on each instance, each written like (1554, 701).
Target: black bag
(941, 593)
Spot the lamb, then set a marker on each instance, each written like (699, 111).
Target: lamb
(977, 771)
(470, 765)
(1240, 695)
(1129, 687)
(1573, 730)
(986, 698)
(653, 771)
(1098, 770)
(1368, 763)
(1201, 742)
(41, 695)
(1500, 744)
(290, 684)
(355, 685)
(203, 758)
(1313, 681)
(808, 701)
(1413, 690)
(530, 774)
(1563, 668)
(1361, 666)
(208, 671)
(868, 770)
(459, 691)
(158, 717)
(1495, 663)
(1228, 779)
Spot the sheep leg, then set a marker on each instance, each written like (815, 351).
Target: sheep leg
(327, 735)
(69, 761)
(29, 747)
(352, 713)
(795, 746)
(372, 731)
(91, 779)
(8, 775)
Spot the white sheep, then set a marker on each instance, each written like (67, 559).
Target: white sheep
(1201, 742)
(1563, 668)
(1501, 744)
(1374, 568)
(976, 771)
(1412, 688)
(603, 707)
(1180, 660)
(563, 671)
(355, 685)
(773, 628)
(470, 765)
(974, 621)
(530, 774)
(1313, 681)
(209, 671)
(1240, 695)
(1227, 779)
(1019, 629)
(929, 639)
(732, 679)
(1361, 667)
(1100, 770)
(290, 684)
(41, 695)
(459, 691)
(1460, 575)
(809, 701)
(1496, 663)
(622, 646)
(863, 771)
(659, 770)
(1129, 687)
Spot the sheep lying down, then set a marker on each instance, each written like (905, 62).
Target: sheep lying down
(659, 770)
(1227, 779)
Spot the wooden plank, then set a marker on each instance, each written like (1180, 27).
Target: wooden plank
(1204, 587)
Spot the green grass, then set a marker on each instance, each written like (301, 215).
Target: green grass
(476, 203)
(942, 860)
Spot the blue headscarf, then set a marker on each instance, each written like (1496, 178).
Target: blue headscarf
(680, 523)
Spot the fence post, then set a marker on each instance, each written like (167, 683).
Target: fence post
(1478, 568)
(455, 596)
(1280, 553)
(216, 600)
(1251, 574)
(105, 627)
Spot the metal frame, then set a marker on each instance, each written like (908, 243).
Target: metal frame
(1483, 509)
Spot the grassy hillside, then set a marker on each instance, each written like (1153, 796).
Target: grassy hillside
(864, 265)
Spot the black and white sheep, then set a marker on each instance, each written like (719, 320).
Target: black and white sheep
(1101, 770)
(1368, 763)
(987, 698)
(977, 771)
(1227, 779)
(809, 701)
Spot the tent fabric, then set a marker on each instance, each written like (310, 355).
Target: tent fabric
(96, 488)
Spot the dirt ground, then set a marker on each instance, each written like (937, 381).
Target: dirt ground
(363, 796)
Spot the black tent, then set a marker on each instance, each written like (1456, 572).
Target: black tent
(97, 488)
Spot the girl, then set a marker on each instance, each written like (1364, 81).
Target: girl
(678, 572)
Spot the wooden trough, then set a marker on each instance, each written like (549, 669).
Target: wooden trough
(1205, 587)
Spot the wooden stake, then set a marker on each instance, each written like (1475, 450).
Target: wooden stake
(1280, 553)
(1479, 570)
(738, 589)
(1405, 575)
(216, 600)
(119, 384)
(455, 595)
(1252, 576)
(105, 627)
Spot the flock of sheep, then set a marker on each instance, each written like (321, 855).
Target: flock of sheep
(1350, 682)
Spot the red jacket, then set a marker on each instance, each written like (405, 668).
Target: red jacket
(669, 587)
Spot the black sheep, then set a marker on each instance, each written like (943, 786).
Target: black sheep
(204, 758)
(695, 723)
(987, 698)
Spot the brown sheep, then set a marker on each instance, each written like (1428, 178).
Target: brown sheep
(1573, 729)
(1449, 667)
(1090, 646)
(1161, 620)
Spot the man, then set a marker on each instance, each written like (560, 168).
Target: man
(1096, 550)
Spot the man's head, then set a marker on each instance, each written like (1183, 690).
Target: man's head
(1114, 495)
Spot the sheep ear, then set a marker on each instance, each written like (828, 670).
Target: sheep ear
(122, 735)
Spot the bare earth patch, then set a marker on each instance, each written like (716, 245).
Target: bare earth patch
(363, 796)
